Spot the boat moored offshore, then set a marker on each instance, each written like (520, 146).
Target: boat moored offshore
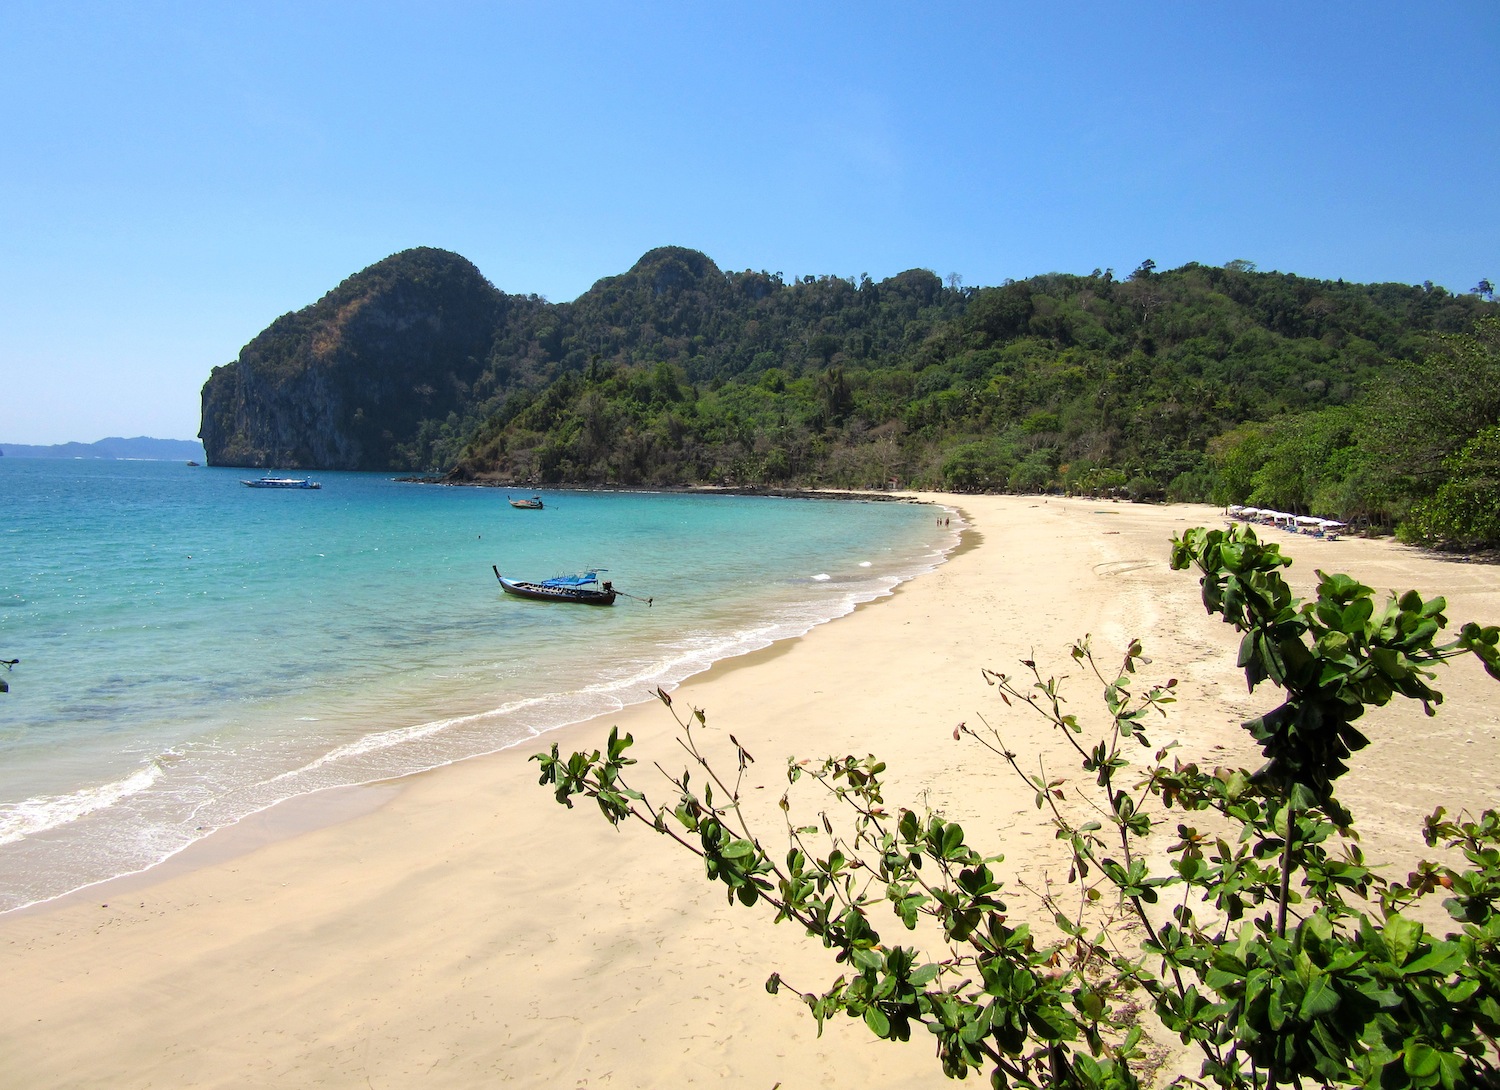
(282, 482)
(583, 588)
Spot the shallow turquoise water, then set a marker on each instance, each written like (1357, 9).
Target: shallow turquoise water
(193, 650)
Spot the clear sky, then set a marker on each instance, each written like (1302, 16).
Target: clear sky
(173, 176)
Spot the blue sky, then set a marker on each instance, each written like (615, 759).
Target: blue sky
(175, 176)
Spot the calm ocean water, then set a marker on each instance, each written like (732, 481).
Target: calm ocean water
(194, 651)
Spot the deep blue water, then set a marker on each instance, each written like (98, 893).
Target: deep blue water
(194, 650)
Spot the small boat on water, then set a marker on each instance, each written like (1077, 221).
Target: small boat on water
(282, 482)
(583, 588)
(533, 504)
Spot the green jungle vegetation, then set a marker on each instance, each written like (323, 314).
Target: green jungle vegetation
(1377, 404)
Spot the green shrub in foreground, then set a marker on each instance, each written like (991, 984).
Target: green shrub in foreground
(1267, 942)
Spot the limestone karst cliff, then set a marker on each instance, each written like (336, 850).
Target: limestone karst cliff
(348, 382)
(679, 372)
(395, 366)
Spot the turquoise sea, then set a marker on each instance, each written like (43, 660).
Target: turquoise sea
(193, 651)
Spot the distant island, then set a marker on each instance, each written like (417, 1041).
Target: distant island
(141, 448)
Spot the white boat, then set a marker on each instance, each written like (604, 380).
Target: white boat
(282, 483)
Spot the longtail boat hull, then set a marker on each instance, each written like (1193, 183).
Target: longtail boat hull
(588, 593)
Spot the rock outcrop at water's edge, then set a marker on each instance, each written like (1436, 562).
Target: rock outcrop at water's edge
(347, 382)
(395, 367)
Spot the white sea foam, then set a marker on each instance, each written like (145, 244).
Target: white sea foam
(376, 741)
(397, 751)
(35, 815)
(266, 682)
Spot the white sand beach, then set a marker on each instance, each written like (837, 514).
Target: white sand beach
(460, 929)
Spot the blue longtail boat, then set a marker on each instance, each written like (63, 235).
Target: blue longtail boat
(583, 588)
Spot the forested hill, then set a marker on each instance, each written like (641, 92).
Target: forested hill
(142, 448)
(676, 372)
(349, 382)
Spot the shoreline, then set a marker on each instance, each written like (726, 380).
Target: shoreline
(325, 807)
(467, 930)
(791, 492)
(497, 696)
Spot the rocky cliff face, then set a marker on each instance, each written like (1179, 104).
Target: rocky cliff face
(405, 363)
(347, 382)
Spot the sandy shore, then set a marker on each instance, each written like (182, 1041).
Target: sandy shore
(460, 929)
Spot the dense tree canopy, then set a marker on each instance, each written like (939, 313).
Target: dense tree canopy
(1360, 401)
(1194, 383)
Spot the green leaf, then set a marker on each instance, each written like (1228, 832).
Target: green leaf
(879, 1024)
(738, 849)
(1419, 1060)
(1275, 1012)
(1320, 999)
(925, 975)
(1401, 937)
(953, 840)
(1051, 1023)
(1442, 959)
